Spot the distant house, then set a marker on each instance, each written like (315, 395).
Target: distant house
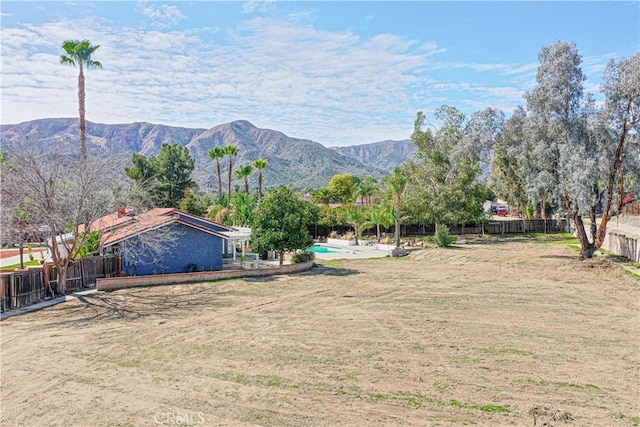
(163, 241)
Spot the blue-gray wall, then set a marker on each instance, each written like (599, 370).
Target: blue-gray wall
(183, 249)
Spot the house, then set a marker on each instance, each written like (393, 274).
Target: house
(166, 240)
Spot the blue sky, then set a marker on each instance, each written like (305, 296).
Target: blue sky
(339, 73)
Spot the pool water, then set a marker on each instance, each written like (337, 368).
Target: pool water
(327, 250)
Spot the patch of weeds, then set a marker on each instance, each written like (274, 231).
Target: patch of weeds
(557, 383)
(441, 386)
(239, 379)
(507, 351)
(620, 416)
(418, 400)
(126, 363)
(484, 408)
(464, 359)
(563, 238)
(632, 274)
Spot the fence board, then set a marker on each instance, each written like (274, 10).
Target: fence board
(26, 287)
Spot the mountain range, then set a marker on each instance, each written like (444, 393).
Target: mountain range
(300, 162)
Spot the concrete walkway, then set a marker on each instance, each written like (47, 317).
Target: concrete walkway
(44, 304)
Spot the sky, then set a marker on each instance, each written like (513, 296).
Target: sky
(335, 72)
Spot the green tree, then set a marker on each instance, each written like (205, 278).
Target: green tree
(356, 216)
(231, 151)
(216, 154)
(379, 216)
(167, 176)
(398, 183)
(325, 196)
(365, 189)
(444, 187)
(575, 152)
(507, 180)
(195, 203)
(281, 223)
(242, 209)
(244, 173)
(78, 53)
(344, 186)
(260, 164)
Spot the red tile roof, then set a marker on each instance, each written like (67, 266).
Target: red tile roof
(149, 220)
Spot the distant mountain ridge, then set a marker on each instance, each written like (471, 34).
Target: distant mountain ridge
(300, 162)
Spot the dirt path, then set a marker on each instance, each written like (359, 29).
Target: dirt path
(485, 334)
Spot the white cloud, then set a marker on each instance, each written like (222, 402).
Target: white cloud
(261, 6)
(161, 15)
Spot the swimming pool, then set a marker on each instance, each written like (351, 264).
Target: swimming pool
(328, 250)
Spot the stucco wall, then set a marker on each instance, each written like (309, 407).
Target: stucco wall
(114, 283)
(188, 247)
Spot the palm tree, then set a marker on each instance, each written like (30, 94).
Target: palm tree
(356, 216)
(79, 53)
(379, 216)
(216, 154)
(260, 164)
(398, 182)
(244, 173)
(325, 195)
(365, 189)
(231, 151)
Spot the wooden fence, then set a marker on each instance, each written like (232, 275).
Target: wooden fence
(514, 226)
(631, 209)
(25, 287)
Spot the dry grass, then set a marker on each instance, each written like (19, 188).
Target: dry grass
(485, 334)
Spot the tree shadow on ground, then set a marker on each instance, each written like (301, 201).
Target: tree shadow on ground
(324, 270)
(134, 305)
(567, 257)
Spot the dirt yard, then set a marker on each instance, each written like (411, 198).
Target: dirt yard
(510, 333)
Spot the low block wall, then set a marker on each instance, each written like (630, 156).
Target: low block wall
(115, 283)
(621, 244)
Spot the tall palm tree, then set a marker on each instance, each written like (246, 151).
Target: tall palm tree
(365, 189)
(243, 173)
(398, 182)
(78, 53)
(231, 151)
(260, 164)
(216, 154)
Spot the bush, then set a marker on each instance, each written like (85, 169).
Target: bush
(303, 256)
(443, 239)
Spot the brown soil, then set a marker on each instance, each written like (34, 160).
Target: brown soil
(500, 334)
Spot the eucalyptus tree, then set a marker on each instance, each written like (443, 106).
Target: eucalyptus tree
(216, 154)
(260, 164)
(78, 53)
(230, 151)
(507, 180)
(443, 178)
(575, 152)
